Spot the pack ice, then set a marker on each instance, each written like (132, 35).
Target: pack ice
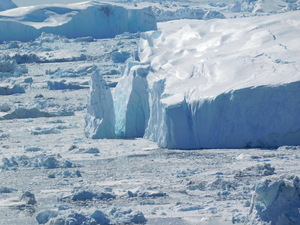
(95, 19)
(230, 83)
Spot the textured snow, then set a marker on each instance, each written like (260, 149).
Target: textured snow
(232, 83)
(95, 19)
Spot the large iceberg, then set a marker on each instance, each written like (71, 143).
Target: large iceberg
(99, 20)
(231, 83)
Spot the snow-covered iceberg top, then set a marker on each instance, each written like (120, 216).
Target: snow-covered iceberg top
(216, 84)
(99, 20)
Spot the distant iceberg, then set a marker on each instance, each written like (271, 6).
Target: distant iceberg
(94, 19)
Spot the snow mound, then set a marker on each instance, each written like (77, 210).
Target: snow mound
(100, 116)
(215, 84)
(93, 19)
(276, 201)
(10, 68)
(7, 4)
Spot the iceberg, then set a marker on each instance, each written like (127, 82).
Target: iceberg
(94, 19)
(230, 83)
(100, 116)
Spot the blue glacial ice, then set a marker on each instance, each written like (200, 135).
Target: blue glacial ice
(131, 101)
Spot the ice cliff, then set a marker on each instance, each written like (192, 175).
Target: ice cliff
(215, 84)
(94, 19)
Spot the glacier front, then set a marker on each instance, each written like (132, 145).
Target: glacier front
(230, 83)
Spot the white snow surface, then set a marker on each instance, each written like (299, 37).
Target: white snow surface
(7, 4)
(221, 83)
(96, 19)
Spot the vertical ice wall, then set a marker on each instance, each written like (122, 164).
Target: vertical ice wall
(100, 116)
(264, 116)
(131, 101)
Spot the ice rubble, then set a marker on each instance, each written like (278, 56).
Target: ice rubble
(216, 84)
(114, 216)
(94, 19)
(276, 201)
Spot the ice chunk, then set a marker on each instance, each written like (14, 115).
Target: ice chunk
(9, 89)
(100, 217)
(100, 116)
(120, 216)
(44, 216)
(213, 15)
(29, 198)
(22, 113)
(276, 202)
(6, 190)
(63, 85)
